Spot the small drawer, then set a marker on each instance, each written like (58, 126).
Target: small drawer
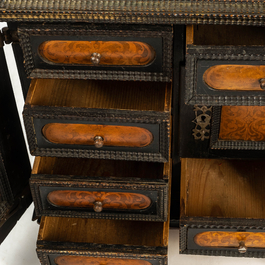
(97, 52)
(91, 188)
(99, 119)
(222, 207)
(229, 72)
(91, 241)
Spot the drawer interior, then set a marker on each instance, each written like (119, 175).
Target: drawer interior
(222, 188)
(100, 168)
(141, 96)
(224, 35)
(98, 231)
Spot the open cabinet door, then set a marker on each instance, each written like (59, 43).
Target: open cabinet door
(14, 162)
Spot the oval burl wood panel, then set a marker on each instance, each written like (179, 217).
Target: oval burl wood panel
(81, 260)
(127, 53)
(84, 134)
(230, 239)
(109, 200)
(245, 123)
(234, 77)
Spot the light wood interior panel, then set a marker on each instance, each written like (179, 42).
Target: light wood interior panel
(222, 188)
(100, 168)
(224, 35)
(155, 96)
(102, 231)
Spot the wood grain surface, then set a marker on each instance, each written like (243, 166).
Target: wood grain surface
(126, 53)
(235, 77)
(84, 134)
(153, 96)
(230, 239)
(82, 260)
(222, 188)
(109, 200)
(100, 168)
(245, 123)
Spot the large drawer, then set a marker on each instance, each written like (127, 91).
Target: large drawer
(97, 52)
(225, 66)
(99, 119)
(91, 188)
(101, 242)
(222, 207)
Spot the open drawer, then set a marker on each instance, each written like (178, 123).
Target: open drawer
(225, 65)
(222, 207)
(99, 119)
(92, 188)
(69, 241)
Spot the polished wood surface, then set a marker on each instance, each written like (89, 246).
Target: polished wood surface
(126, 53)
(109, 200)
(153, 96)
(82, 260)
(100, 168)
(84, 134)
(245, 123)
(222, 188)
(100, 231)
(230, 239)
(235, 77)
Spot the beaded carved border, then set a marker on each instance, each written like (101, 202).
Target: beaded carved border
(25, 32)
(215, 143)
(230, 53)
(241, 12)
(219, 223)
(39, 112)
(45, 181)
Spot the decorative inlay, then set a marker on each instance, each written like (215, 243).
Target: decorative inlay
(84, 134)
(230, 239)
(234, 77)
(245, 123)
(202, 121)
(111, 52)
(109, 200)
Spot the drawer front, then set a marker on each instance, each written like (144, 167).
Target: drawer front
(223, 242)
(110, 136)
(225, 76)
(97, 53)
(91, 198)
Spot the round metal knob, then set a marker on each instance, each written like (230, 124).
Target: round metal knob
(95, 58)
(98, 141)
(98, 207)
(262, 83)
(242, 248)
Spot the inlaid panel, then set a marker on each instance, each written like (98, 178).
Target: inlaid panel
(108, 200)
(230, 239)
(110, 52)
(245, 123)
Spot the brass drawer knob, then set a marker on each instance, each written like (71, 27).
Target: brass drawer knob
(95, 58)
(98, 141)
(98, 207)
(262, 83)
(242, 248)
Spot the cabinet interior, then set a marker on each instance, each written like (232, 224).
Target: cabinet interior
(224, 35)
(222, 188)
(141, 96)
(99, 231)
(100, 168)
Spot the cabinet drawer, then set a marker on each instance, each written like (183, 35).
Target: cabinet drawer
(98, 241)
(229, 72)
(91, 188)
(99, 119)
(222, 207)
(97, 52)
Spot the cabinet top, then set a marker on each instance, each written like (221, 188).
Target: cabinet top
(239, 12)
